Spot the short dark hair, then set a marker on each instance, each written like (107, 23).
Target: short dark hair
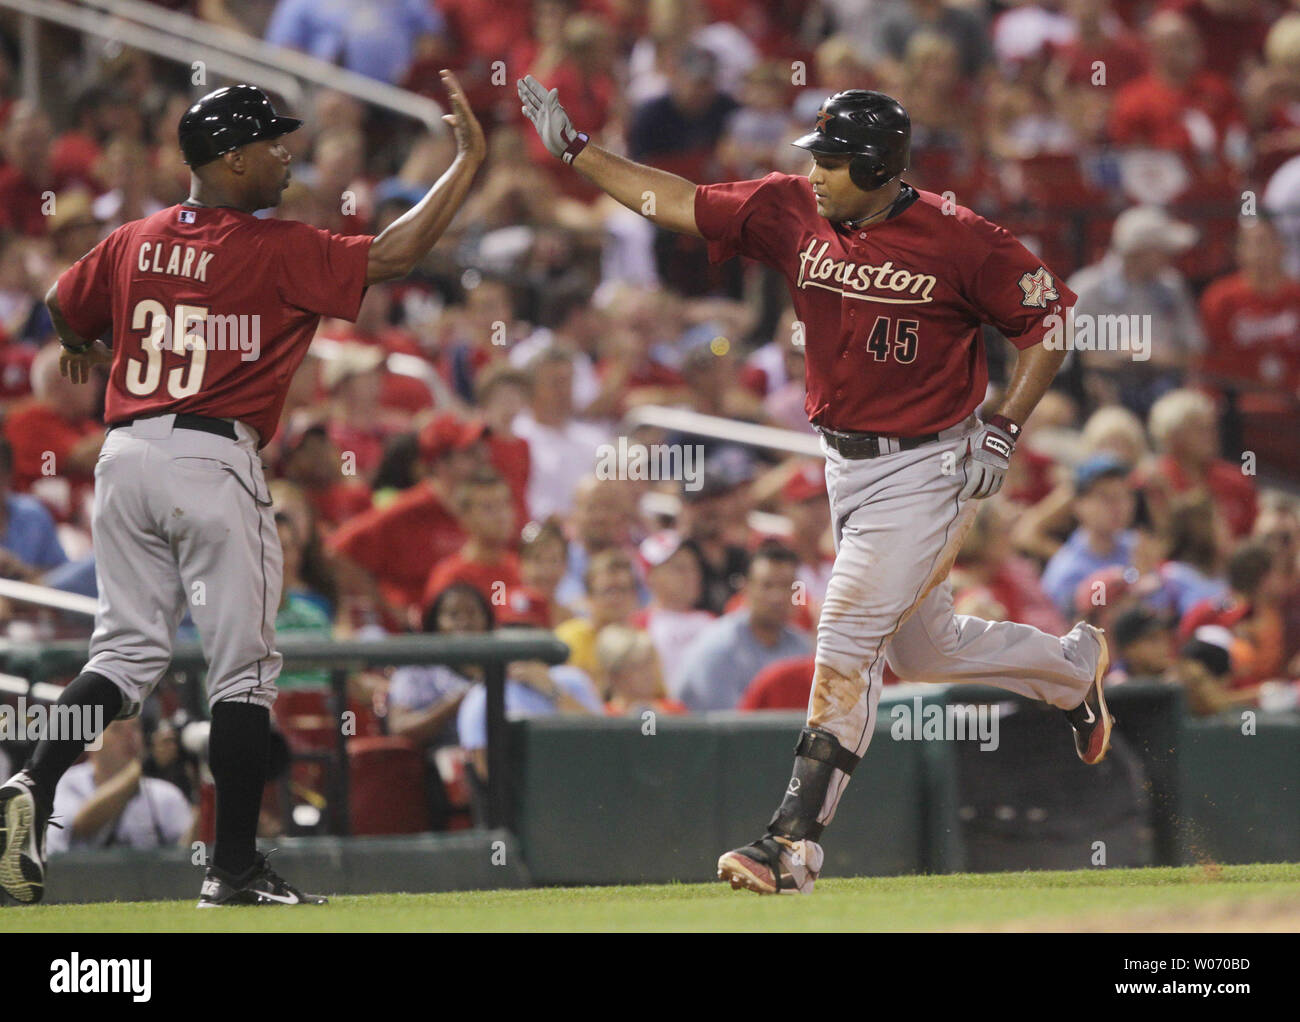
(1189, 530)
(397, 463)
(430, 620)
(1248, 565)
(776, 552)
(481, 478)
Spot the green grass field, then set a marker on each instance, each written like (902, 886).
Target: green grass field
(1210, 898)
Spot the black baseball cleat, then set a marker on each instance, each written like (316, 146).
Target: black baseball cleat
(260, 885)
(1091, 719)
(23, 823)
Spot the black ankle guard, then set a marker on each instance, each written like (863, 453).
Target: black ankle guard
(817, 755)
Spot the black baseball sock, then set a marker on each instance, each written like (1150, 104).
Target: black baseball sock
(55, 753)
(238, 750)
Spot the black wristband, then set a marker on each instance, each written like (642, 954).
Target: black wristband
(76, 350)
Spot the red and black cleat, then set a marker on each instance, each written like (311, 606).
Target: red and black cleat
(1091, 719)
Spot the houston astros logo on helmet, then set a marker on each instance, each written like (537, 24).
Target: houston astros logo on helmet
(822, 118)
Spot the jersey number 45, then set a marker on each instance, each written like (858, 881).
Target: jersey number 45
(896, 336)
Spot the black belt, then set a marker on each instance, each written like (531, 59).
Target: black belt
(184, 420)
(859, 446)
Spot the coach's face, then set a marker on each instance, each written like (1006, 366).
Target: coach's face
(838, 198)
(265, 171)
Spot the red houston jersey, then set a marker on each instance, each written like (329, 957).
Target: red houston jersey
(891, 314)
(211, 309)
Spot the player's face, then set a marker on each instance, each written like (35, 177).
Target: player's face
(838, 198)
(267, 170)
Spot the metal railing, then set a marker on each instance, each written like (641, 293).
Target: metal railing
(224, 51)
(681, 420)
(36, 662)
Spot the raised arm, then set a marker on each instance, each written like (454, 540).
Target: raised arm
(662, 198)
(409, 238)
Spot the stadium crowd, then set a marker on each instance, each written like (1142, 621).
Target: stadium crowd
(449, 462)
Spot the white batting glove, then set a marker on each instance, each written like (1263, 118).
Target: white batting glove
(548, 117)
(989, 459)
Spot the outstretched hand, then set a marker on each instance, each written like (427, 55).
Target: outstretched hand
(548, 117)
(464, 125)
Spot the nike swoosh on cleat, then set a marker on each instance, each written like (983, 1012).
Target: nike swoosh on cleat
(283, 899)
(1091, 716)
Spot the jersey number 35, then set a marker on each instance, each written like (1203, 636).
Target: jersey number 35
(143, 376)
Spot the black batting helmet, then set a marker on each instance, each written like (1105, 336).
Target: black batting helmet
(871, 127)
(228, 118)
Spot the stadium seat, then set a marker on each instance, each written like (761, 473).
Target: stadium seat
(386, 787)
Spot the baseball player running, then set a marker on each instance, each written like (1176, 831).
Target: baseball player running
(892, 285)
(211, 311)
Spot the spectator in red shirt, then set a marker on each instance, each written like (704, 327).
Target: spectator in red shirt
(27, 180)
(384, 556)
(312, 461)
(1237, 29)
(1252, 317)
(1184, 428)
(1100, 37)
(503, 392)
(359, 424)
(628, 371)
(1271, 95)
(543, 558)
(1181, 107)
(807, 508)
(574, 53)
(55, 438)
(483, 509)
